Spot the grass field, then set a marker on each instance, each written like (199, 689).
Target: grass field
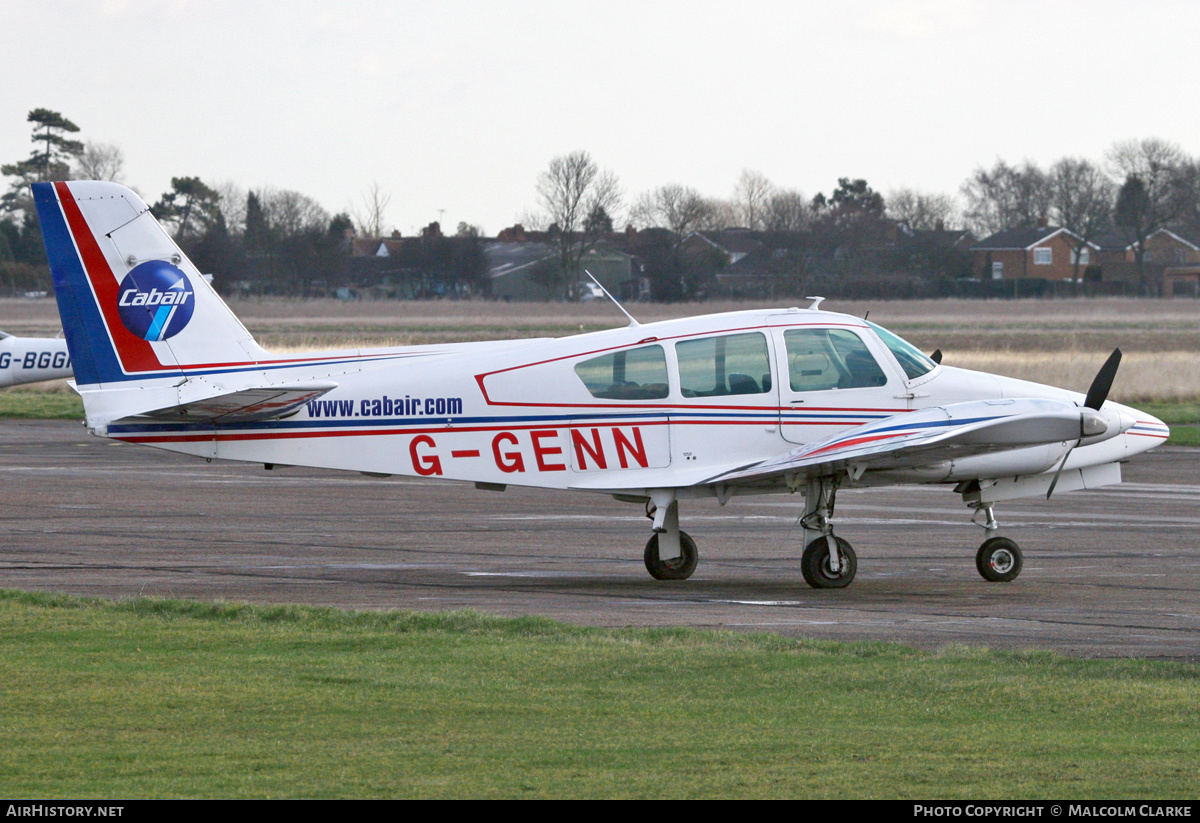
(150, 698)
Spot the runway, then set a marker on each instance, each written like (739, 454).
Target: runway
(1108, 573)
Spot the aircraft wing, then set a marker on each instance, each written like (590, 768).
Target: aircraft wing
(929, 436)
(247, 404)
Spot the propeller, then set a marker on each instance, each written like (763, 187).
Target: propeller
(1096, 395)
(1098, 392)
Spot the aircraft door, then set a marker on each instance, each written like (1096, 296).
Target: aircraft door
(829, 379)
(728, 402)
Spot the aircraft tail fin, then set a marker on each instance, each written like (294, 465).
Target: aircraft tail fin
(135, 310)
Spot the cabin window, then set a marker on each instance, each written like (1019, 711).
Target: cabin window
(822, 359)
(721, 366)
(911, 359)
(632, 374)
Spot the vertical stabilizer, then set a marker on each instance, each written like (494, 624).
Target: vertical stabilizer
(134, 308)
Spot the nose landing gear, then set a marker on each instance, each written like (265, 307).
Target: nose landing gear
(999, 559)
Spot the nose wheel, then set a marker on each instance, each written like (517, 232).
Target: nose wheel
(999, 560)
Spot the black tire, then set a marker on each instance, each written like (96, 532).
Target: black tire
(999, 560)
(677, 568)
(814, 564)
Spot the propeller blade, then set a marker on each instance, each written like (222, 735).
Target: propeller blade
(1098, 393)
(1096, 396)
(936, 357)
(1054, 482)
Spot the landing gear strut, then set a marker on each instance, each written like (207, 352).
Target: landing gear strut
(828, 562)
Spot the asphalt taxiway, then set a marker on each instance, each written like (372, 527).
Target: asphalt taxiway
(1108, 573)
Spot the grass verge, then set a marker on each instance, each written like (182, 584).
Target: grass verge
(40, 405)
(157, 698)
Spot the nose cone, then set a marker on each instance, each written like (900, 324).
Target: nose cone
(1146, 432)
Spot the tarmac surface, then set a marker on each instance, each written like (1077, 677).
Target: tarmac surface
(1108, 573)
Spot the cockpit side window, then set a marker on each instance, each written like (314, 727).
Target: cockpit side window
(823, 359)
(632, 374)
(911, 359)
(727, 365)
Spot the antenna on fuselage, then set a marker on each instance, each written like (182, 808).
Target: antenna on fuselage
(816, 301)
(632, 322)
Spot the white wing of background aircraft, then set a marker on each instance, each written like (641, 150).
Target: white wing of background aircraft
(713, 407)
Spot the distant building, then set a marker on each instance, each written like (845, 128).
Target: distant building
(517, 269)
(1046, 252)
(1171, 263)
(529, 270)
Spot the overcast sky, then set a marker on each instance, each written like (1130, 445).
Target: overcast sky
(455, 106)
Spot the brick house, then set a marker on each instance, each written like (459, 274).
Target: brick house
(1171, 262)
(1046, 252)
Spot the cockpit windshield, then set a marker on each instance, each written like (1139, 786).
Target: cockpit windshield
(910, 358)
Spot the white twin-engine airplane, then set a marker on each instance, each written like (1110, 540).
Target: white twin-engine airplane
(713, 407)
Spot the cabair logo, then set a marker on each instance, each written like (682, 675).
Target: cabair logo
(155, 300)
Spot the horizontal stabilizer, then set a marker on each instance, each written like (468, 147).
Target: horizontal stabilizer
(246, 405)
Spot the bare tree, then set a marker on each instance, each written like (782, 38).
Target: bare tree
(231, 200)
(722, 214)
(100, 161)
(1081, 202)
(581, 200)
(1006, 197)
(291, 213)
(370, 217)
(680, 209)
(787, 210)
(920, 211)
(751, 196)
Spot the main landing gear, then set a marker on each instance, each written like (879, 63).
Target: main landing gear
(670, 554)
(828, 562)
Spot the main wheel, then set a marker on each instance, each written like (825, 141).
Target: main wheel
(998, 560)
(677, 568)
(815, 566)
